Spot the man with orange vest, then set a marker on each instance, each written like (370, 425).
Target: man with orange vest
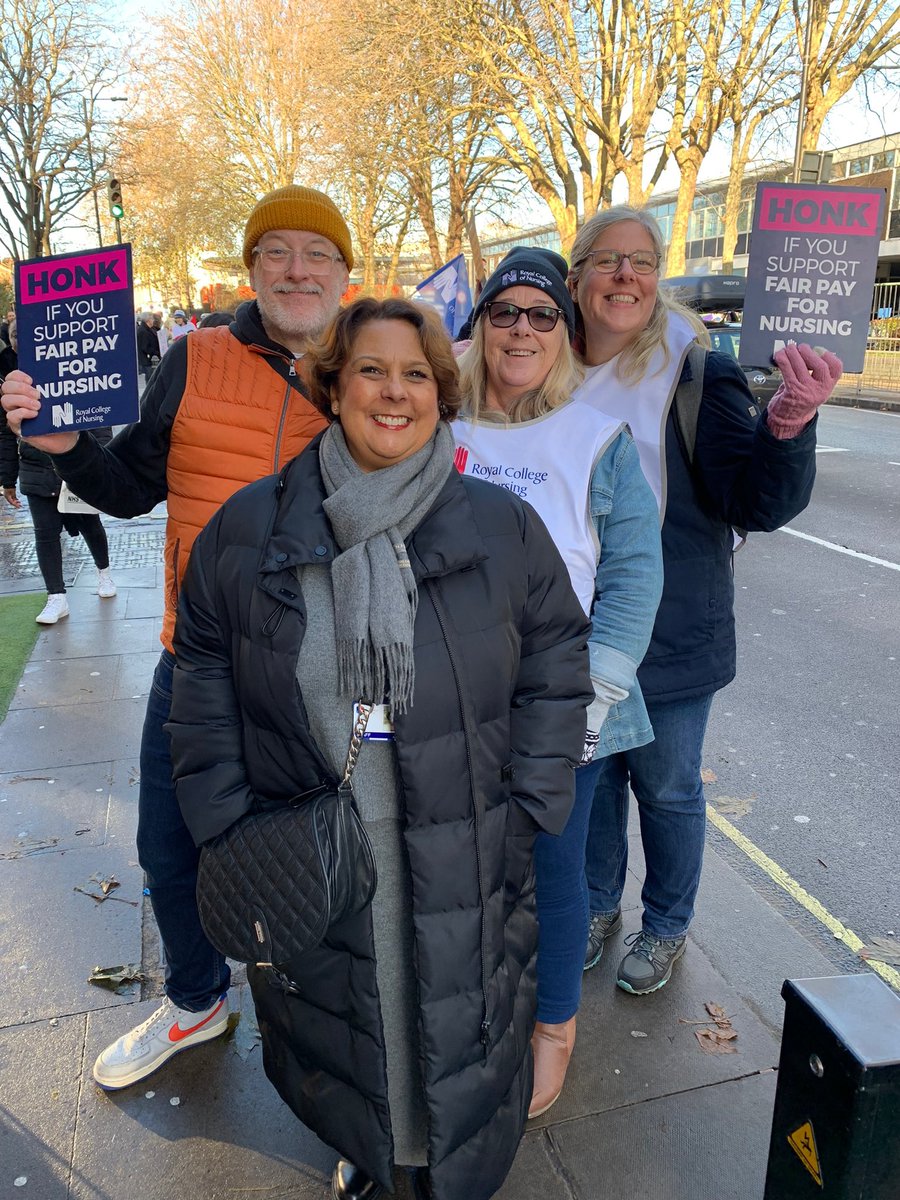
(224, 408)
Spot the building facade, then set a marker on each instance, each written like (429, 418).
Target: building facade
(874, 163)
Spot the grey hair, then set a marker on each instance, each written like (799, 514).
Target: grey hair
(634, 359)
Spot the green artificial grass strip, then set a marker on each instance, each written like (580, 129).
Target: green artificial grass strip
(18, 633)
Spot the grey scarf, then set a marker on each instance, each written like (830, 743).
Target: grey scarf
(375, 593)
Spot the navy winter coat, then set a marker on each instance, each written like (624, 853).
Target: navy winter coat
(742, 475)
(486, 756)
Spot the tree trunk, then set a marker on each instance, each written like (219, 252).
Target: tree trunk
(478, 272)
(395, 253)
(740, 154)
(677, 255)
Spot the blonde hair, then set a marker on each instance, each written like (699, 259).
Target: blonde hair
(562, 379)
(634, 359)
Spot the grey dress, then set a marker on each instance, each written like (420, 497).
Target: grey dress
(376, 784)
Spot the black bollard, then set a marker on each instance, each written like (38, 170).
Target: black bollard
(836, 1127)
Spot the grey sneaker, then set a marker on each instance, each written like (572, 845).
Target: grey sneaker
(648, 965)
(602, 926)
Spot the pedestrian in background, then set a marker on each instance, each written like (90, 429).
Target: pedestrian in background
(33, 472)
(580, 470)
(147, 346)
(162, 333)
(745, 469)
(403, 1039)
(181, 326)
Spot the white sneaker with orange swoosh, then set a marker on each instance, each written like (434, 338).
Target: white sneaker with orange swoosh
(169, 1030)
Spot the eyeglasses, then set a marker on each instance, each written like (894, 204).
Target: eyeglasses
(607, 262)
(317, 262)
(541, 318)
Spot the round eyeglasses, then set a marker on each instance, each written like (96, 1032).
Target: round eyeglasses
(279, 258)
(542, 318)
(607, 262)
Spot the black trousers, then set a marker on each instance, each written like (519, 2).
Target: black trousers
(48, 525)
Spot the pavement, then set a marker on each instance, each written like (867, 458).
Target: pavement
(855, 394)
(646, 1110)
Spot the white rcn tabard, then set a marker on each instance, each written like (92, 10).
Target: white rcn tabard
(643, 405)
(548, 462)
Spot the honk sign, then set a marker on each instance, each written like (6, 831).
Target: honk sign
(813, 258)
(97, 272)
(76, 326)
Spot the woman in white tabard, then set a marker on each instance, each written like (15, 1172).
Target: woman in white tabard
(715, 463)
(521, 429)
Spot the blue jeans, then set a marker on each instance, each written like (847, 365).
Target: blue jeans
(665, 779)
(562, 906)
(196, 973)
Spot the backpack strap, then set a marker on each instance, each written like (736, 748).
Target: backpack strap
(688, 397)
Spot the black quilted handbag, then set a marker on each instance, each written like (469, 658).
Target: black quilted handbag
(269, 887)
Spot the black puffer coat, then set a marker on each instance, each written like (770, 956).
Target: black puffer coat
(485, 754)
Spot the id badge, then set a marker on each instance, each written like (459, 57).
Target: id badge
(380, 727)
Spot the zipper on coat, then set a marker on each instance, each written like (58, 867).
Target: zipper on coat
(176, 549)
(284, 411)
(440, 612)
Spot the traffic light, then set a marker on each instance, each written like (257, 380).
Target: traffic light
(114, 198)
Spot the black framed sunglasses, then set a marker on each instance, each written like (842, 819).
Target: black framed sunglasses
(503, 315)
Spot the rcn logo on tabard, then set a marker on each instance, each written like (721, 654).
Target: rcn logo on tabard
(62, 415)
(460, 458)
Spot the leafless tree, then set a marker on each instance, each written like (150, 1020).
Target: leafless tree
(848, 40)
(255, 76)
(698, 105)
(576, 95)
(53, 66)
(761, 79)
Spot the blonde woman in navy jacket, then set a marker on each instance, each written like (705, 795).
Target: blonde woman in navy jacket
(747, 469)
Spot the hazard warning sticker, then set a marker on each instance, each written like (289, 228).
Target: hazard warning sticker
(803, 1142)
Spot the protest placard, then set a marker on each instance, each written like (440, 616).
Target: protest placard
(811, 274)
(76, 329)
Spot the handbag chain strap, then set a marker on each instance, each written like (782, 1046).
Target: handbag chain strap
(356, 741)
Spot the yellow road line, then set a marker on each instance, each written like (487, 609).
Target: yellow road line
(798, 893)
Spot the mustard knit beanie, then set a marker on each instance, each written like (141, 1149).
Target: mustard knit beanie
(296, 207)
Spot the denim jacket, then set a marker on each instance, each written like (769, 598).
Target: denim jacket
(628, 586)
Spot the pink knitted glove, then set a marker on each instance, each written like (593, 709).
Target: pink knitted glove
(809, 379)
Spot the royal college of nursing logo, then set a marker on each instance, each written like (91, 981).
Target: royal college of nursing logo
(460, 458)
(62, 415)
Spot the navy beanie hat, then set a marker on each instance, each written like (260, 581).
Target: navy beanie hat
(530, 266)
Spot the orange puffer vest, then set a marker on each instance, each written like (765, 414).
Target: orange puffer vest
(238, 421)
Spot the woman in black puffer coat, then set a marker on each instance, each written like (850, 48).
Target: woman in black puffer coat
(36, 478)
(404, 1038)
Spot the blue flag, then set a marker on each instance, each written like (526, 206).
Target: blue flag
(447, 290)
